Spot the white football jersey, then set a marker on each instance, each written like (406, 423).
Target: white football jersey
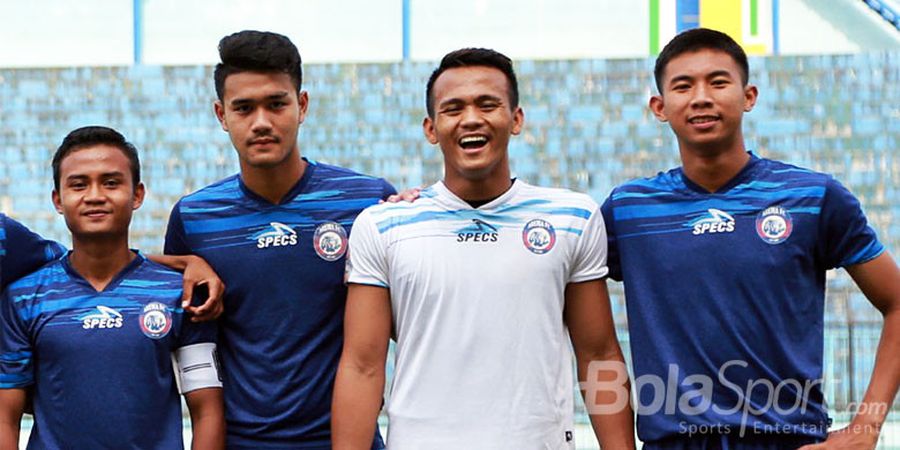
(483, 359)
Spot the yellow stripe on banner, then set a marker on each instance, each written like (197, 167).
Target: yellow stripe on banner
(756, 49)
(723, 15)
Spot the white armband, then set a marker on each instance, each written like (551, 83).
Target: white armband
(196, 367)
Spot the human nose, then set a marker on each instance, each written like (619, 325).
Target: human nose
(94, 194)
(701, 97)
(261, 122)
(471, 117)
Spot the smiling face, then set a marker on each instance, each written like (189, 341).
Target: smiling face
(96, 193)
(262, 113)
(704, 100)
(473, 121)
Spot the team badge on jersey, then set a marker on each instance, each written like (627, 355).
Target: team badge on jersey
(539, 236)
(774, 225)
(156, 320)
(330, 241)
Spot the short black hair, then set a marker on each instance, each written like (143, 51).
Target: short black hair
(96, 135)
(470, 57)
(257, 51)
(700, 39)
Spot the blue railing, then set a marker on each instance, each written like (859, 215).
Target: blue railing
(887, 10)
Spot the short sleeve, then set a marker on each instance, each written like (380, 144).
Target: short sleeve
(846, 239)
(367, 262)
(613, 262)
(590, 251)
(16, 354)
(176, 240)
(23, 251)
(196, 332)
(387, 189)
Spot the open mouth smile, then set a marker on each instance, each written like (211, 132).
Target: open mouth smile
(473, 142)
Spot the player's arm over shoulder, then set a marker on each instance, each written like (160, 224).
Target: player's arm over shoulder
(26, 251)
(387, 189)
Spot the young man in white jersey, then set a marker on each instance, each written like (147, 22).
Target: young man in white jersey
(482, 282)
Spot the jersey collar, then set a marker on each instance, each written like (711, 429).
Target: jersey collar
(130, 267)
(298, 187)
(455, 202)
(745, 173)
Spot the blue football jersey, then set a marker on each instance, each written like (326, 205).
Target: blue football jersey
(725, 295)
(22, 251)
(99, 362)
(283, 266)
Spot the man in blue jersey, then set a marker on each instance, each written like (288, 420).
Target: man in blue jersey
(277, 235)
(723, 261)
(485, 283)
(94, 332)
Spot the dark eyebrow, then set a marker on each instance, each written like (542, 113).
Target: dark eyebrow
(449, 102)
(488, 98)
(719, 73)
(113, 174)
(713, 74)
(246, 101)
(679, 79)
(479, 99)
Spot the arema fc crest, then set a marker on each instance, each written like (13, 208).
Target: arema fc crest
(539, 236)
(330, 241)
(156, 320)
(774, 225)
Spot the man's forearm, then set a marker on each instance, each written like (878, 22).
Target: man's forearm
(885, 377)
(12, 404)
(607, 396)
(173, 262)
(208, 433)
(9, 436)
(357, 401)
(207, 418)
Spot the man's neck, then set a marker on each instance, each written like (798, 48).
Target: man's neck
(99, 260)
(712, 170)
(481, 191)
(273, 183)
